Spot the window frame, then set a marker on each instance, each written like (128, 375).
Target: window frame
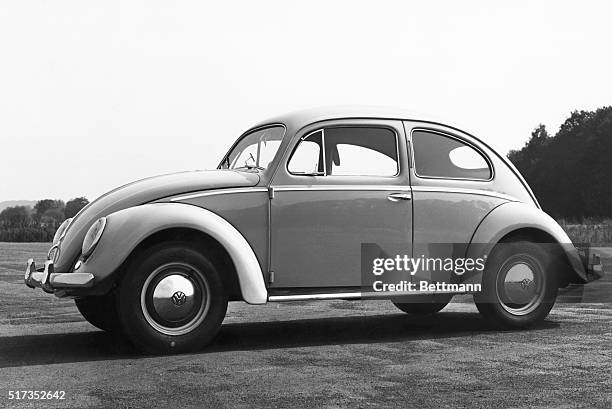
(457, 138)
(325, 174)
(322, 153)
(249, 132)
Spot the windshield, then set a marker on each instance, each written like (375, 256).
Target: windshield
(255, 150)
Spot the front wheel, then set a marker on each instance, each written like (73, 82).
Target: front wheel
(519, 286)
(171, 300)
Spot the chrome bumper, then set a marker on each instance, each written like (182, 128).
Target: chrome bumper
(50, 281)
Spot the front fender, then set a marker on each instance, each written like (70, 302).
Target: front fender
(513, 216)
(127, 228)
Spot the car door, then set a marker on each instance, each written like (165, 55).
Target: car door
(342, 186)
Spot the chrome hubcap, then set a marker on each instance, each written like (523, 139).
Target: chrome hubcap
(175, 298)
(520, 285)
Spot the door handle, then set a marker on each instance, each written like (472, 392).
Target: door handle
(396, 197)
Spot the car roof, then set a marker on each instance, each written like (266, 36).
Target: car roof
(301, 118)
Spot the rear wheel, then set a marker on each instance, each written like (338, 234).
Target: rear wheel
(519, 286)
(171, 300)
(424, 304)
(100, 311)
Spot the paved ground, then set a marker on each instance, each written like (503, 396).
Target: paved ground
(307, 354)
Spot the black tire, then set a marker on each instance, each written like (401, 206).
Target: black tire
(157, 321)
(519, 285)
(100, 311)
(423, 304)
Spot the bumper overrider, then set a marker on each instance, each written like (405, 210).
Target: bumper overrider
(51, 281)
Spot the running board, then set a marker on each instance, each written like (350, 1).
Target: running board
(358, 295)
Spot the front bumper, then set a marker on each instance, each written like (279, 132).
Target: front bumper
(51, 281)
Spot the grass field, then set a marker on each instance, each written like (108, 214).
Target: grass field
(595, 232)
(311, 354)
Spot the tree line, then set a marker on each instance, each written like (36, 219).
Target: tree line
(570, 172)
(27, 224)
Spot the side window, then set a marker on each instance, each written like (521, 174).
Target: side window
(361, 152)
(348, 151)
(436, 155)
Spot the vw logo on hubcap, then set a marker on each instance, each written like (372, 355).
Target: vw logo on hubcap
(179, 298)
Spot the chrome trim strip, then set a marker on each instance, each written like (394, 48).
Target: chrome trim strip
(219, 192)
(392, 294)
(324, 147)
(284, 188)
(357, 295)
(303, 297)
(464, 191)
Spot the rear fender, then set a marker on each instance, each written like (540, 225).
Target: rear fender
(511, 217)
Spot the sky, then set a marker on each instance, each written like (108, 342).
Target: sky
(97, 94)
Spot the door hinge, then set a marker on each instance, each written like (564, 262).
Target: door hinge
(271, 192)
(271, 277)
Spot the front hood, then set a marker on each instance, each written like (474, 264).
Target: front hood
(141, 192)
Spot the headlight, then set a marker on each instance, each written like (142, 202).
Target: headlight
(93, 236)
(61, 231)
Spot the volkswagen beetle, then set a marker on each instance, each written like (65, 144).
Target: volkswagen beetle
(291, 213)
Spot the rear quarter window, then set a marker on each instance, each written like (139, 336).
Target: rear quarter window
(440, 156)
